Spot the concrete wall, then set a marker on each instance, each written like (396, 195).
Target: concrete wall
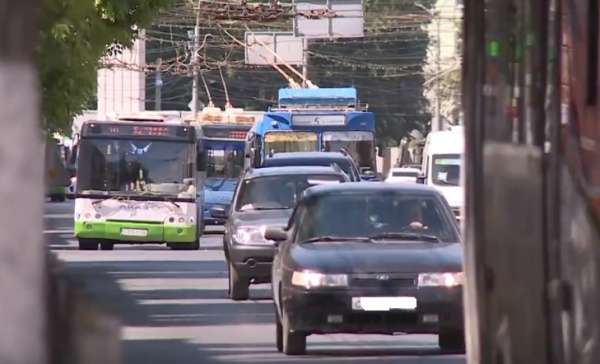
(80, 332)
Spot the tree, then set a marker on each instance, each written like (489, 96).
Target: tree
(74, 36)
(450, 79)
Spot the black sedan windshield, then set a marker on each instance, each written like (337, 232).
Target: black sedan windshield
(278, 192)
(382, 216)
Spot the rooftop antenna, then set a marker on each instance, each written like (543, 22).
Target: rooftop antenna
(291, 82)
(308, 82)
(228, 104)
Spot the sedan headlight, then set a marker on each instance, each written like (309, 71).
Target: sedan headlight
(250, 235)
(441, 279)
(313, 279)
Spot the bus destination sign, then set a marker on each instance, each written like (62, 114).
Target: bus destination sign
(224, 133)
(318, 120)
(123, 129)
(159, 131)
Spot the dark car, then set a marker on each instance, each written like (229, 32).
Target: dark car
(217, 192)
(368, 258)
(263, 198)
(342, 159)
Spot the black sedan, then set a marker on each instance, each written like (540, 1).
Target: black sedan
(368, 258)
(264, 198)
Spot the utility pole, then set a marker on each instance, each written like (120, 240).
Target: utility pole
(304, 61)
(438, 71)
(158, 87)
(23, 316)
(196, 63)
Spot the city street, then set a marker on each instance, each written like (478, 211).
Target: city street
(174, 309)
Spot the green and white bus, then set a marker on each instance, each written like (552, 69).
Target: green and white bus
(136, 184)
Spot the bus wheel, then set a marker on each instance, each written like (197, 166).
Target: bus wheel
(88, 244)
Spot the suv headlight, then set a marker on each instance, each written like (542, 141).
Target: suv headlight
(312, 279)
(250, 235)
(440, 279)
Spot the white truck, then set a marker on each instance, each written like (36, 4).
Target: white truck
(442, 163)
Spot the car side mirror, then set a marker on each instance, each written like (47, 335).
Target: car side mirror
(276, 234)
(421, 179)
(218, 212)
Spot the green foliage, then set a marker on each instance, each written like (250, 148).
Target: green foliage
(386, 66)
(74, 35)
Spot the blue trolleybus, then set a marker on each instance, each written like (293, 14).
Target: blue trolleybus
(328, 119)
(221, 142)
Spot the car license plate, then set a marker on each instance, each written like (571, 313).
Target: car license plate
(383, 303)
(134, 232)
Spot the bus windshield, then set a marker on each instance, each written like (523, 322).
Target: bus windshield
(359, 144)
(290, 141)
(445, 169)
(223, 165)
(133, 165)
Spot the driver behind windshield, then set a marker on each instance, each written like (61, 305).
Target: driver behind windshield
(259, 194)
(411, 215)
(364, 216)
(453, 175)
(273, 193)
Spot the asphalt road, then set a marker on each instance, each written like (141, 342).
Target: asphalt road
(174, 308)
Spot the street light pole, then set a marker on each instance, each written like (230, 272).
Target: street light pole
(196, 63)
(438, 82)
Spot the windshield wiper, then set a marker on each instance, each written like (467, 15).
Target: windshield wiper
(109, 197)
(318, 239)
(262, 208)
(165, 198)
(446, 183)
(406, 236)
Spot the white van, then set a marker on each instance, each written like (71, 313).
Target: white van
(442, 160)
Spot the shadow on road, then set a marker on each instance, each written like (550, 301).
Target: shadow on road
(174, 309)
(170, 293)
(176, 351)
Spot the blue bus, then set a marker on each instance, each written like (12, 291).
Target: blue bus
(328, 119)
(221, 143)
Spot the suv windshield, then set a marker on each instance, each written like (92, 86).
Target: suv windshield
(133, 165)
(360, 214)
(445, 169)
(278, 192)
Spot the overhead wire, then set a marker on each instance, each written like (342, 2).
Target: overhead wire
(305, 80)
(228, 101)
(292, 83)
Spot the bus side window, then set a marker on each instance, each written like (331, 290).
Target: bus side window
(201, 159)
(257, 155)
